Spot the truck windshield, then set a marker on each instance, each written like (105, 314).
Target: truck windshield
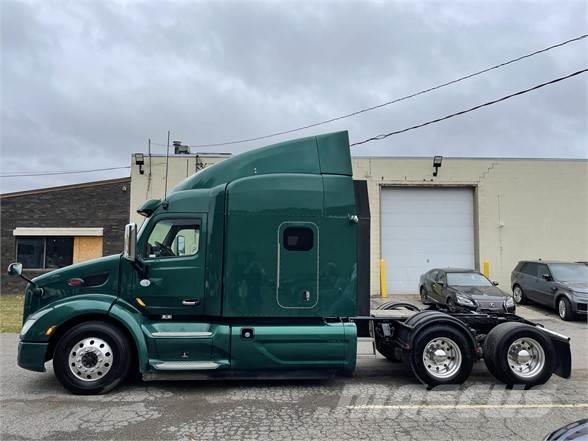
(467, 279)
(569, 272)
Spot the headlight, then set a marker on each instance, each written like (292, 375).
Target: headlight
(464, 301)
(32, 320)
(26, 327)
(509, 302)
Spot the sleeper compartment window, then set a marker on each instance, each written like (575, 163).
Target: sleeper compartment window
(298, 239)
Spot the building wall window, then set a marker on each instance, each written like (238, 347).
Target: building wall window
(37, 252)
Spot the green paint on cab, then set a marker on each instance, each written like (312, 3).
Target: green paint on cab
(248, 265)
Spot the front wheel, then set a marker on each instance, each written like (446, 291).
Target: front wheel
(92, 358)
(440, 355)
(564, 309)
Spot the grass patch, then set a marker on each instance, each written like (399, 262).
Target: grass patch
(11, 312)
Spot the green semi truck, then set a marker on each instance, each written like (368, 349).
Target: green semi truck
(258, 267)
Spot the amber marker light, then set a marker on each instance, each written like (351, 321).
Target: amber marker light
(50, 330)
(140, 302)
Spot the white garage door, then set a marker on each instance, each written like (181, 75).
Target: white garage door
(424, 228)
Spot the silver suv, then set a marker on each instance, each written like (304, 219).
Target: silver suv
(559, 285)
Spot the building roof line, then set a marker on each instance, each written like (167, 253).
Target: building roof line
(66, 187)
(470, 158)
(186, 155)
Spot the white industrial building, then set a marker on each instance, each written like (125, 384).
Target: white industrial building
(474, 210)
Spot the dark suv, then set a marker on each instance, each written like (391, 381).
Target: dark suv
(559, 285)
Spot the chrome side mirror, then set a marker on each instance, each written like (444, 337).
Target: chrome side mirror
(130, 247)
(15, 269)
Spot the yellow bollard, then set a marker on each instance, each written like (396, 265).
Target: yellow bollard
(383, 282)
(486, 270)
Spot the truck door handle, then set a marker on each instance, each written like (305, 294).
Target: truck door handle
(191, 302)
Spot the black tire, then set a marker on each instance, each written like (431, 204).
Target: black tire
(390, 352)
(424, 297)
(522, 299)
(118, 369)
(498, 343)
(564, 309)
(398, 305)
(414, 359)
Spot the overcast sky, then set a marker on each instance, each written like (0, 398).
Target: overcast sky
(86, 83)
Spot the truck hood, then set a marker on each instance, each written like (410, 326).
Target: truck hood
(98, 276)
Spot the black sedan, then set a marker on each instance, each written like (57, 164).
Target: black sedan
(464, 289)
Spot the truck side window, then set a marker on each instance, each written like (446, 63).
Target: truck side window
(298, 239)
(173, 238)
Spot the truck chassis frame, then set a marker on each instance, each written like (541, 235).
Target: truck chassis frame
(396, 327)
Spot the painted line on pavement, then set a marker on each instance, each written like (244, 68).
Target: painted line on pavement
(472, 406)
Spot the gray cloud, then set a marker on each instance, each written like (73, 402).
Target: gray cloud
(84, 84)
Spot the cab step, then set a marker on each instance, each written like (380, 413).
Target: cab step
(366, 347)
(183, 365)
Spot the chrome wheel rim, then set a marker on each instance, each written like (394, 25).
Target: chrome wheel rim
(517, 294)
(561, 307)
(526, 357)
(90, 359)
(442, 358)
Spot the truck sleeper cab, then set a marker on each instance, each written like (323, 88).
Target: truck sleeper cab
(250, 269)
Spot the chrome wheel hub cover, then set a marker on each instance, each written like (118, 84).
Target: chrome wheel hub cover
(442, 357)
(526, 357)
(90, 359)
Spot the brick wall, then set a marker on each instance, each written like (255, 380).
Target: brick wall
(101, 204)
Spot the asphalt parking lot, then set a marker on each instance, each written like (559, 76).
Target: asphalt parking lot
(381, 401)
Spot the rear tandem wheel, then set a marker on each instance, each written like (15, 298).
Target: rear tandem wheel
(517, 353)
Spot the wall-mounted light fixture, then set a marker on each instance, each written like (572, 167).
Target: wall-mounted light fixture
(140, 161)
(437, 161)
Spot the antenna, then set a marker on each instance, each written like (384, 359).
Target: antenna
(165, 204)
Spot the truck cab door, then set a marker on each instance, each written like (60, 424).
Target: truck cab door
(174, 256)
(297, 282)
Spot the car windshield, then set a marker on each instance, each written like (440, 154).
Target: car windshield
(569, 272)
(467, 279)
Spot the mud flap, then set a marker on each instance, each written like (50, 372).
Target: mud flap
(564, 358)
(561, 343)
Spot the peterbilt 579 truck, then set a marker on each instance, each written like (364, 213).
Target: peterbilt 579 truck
(258, 267)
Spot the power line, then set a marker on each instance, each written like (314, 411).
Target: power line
(471, 109)
(65, 172)
(396, 100)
